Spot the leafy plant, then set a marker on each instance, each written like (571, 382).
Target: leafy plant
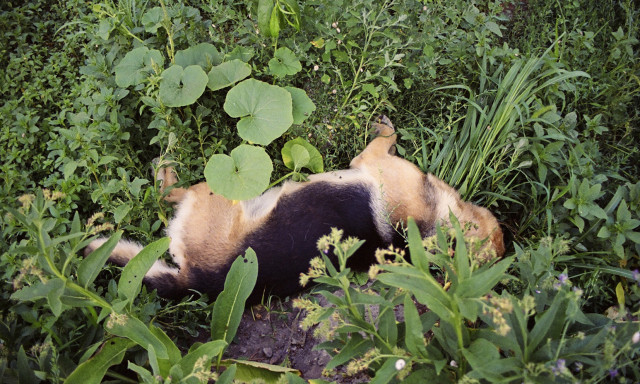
(468, 332)
(479, 153)
(63, 282)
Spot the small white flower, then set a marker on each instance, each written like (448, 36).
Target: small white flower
(334, 91)
(453, 363)
(635, 338)
(400, 364)
(338, 30)
(334, 25)
(316, 67)
(424, 8)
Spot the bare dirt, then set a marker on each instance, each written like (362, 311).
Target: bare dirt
(272, 334)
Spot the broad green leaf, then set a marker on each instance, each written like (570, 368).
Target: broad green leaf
(228, 375)
(182, 86)
(172, 350)
(242, 176)
(211, 350)
(425, 288)
(482, 282)
(131, 278)
(314, 164)
(227, 73)
(147, 377)
(240, 53)
(414, 337)
(468, 308)
(480, 354)
(265, 110)
(303, 107)
(54, 295)
(204, 54)
(544, 324)
(152, 19)
(284, 62)
(290, 378)
(386, 372)
(228, 308)
(94, 262)
(136, 66)
(356, 347)
(274, 23)
(124, 325)
(493, 27)
(36, 291)
(300, 156)
(418, 254)
(93, 370)
(371, 89)
(121, 212)
(387, 328)
(265, 9)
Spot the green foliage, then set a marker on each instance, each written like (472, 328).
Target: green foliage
(92, 93)
(473, 333)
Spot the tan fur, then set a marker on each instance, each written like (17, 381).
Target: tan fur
(402, 183)
(208, 229)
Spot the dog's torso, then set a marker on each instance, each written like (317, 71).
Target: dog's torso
(371, 201)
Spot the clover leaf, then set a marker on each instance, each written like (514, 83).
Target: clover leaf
(180, 87)
(266, 110)
(242, 176)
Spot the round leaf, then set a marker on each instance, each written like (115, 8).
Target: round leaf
(205, 55)
(136, 65)
(152, 19)
(314, 164)
(180, 87)
(284, 63)
(242, 176)
(300, 156)
(302, 104)
(266, 110)
(228, 73)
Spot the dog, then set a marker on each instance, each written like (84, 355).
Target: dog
(370, 200)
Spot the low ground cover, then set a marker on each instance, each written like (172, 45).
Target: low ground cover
(527, 107)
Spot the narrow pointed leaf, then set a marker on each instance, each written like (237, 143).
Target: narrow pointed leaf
(228, 308)
(131, 278)
(93, 370)
(92, 264)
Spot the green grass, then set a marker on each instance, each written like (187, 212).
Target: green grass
(532, 113)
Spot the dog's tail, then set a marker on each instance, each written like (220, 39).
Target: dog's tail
(166, 279)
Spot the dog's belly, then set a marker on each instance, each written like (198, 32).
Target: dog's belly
(286, 242)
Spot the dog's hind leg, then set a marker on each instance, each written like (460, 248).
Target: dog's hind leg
(383, 145)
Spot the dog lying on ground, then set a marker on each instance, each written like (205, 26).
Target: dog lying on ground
(367, 201)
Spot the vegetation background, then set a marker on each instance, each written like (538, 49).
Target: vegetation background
(527, 107)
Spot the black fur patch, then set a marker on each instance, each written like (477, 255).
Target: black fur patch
(287, 242)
